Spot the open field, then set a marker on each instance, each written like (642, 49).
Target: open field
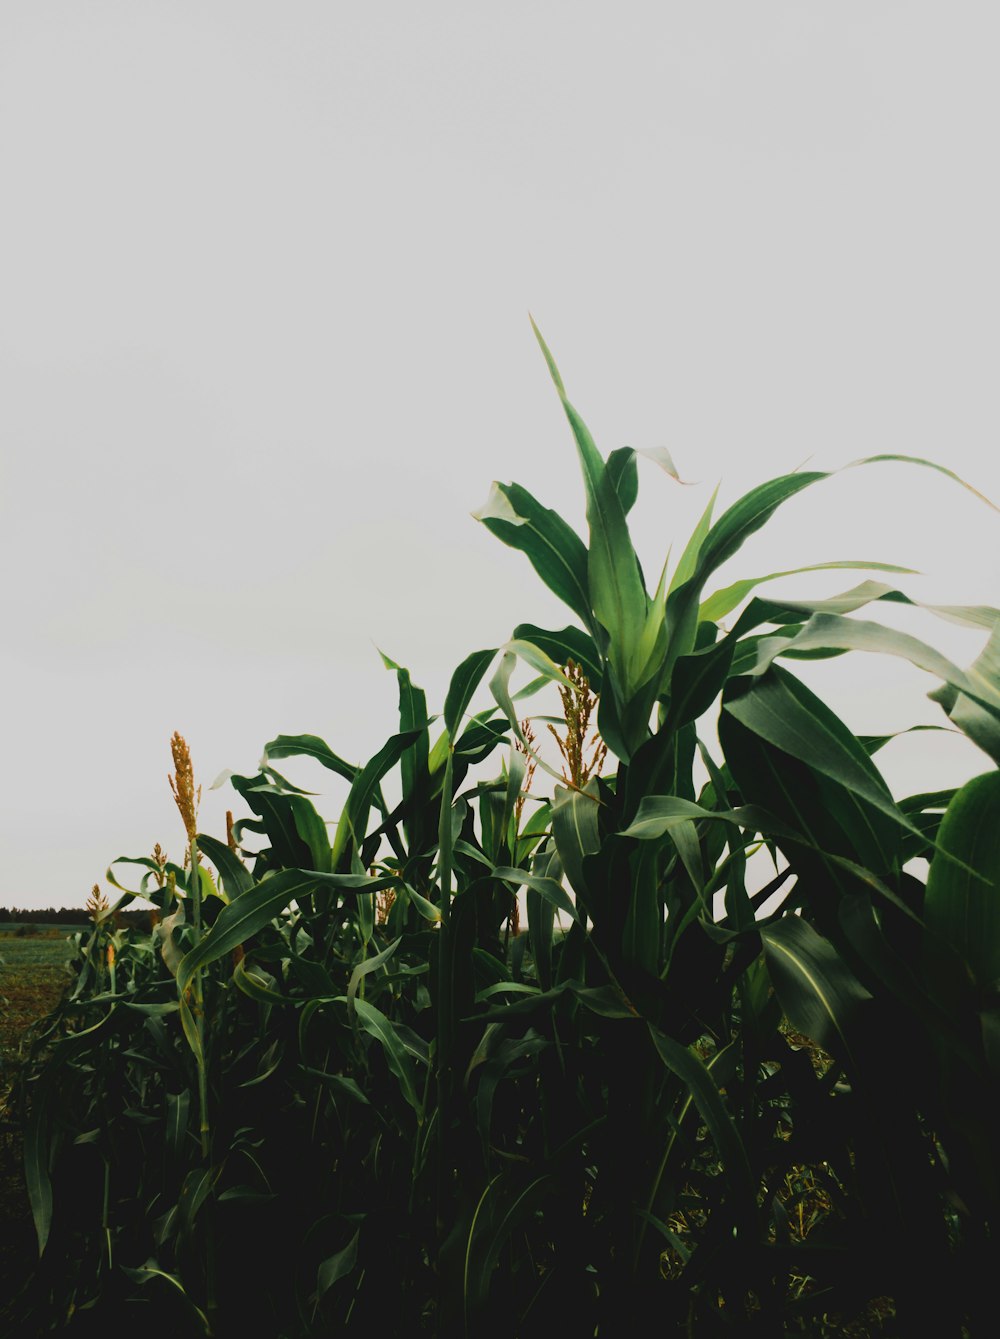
(32, 976)
(46, 948)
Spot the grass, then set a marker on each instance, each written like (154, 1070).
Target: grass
(48, 948)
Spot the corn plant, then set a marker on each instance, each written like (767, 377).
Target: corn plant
(341, 1084)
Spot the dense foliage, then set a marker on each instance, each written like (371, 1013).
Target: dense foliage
(340, 1085)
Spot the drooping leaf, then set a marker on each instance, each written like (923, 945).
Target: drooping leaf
(368, 965)
(336, 1267)
(236, 878)
(926, 464)
(397, 1055)
(565, 644)
(624, 476)
(309, 746)
(724, 601)
(554, 549)
(781, 710)
(550, 890)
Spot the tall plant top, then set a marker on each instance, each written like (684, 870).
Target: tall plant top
(528, 1051)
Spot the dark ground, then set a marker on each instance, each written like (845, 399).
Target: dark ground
(32, 978)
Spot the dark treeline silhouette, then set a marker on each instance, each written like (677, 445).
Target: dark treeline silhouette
(65, 916)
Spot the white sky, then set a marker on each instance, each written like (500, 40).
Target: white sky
(264, 279)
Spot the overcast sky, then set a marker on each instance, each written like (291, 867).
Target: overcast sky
(265, 272)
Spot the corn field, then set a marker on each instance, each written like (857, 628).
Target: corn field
(532, 1051)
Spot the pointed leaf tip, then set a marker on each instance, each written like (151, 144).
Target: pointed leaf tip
(553, 370)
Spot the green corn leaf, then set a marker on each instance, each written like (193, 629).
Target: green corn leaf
(733, 528)
(312, 829)
(164, 933)
(36, 1168)
(971, 698)
(412, 716)
(150, 1010)
(873, 743)
(576, 832)
(554, 549)
(700, 1082)
(178, 1110)
(565, 644)
(151, 1270)
(354, 818)
(541, 923)
(152, 870)
(642, 934)
(502, 1207)
(724, 601)
(658, 814)
(236, 878)
(446, 836)
(195, 1191)
(275, 810)
(926, 464)
(248, 914)
(368, 965)
(617, 595)
(721, 1068)
(833, 632)
(337, 1267)
(538, 660)
(515, 781)
(550, 890)
(781, 710)
(345, 1086)
(697, 681)
(870, 592)
(975, 722)
(397, 1056)
(687, 564)
(464, 683)
(427, 909)
(189, 1025)
(506, 988)
(624, 476)
(819, 995)
(257, 985)
(500, 688)
(724, 539)
(972, 709)
(309, 746)
(962, 902)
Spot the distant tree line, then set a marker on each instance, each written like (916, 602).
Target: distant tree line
(65, 916)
